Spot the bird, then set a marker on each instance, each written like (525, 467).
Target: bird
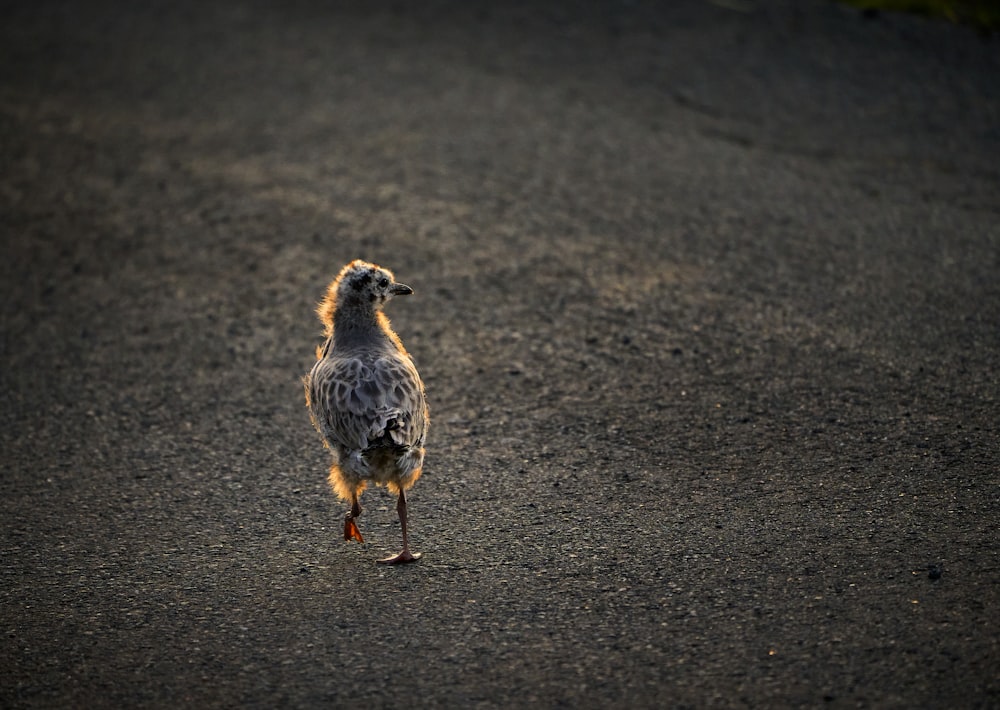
(365, 396)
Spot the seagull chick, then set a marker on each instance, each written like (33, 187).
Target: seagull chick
(365, 396)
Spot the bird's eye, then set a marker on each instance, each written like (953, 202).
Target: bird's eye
(383, 282)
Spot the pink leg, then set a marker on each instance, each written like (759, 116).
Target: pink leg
(405, 555)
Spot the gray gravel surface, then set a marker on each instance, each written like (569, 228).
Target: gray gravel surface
(707, 305)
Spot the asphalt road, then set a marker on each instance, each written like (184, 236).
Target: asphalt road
(707, 305)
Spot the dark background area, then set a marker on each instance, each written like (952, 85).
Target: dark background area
(707, 305)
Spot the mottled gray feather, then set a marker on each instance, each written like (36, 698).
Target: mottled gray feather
(356, 402)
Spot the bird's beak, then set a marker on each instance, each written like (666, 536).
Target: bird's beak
(400, 290)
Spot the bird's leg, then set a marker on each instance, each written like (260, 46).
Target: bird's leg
(405, 555)
(351, 531)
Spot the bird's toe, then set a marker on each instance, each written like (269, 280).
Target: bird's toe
(401, 558)
(351, 531)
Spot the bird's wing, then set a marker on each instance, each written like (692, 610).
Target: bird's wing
(356, 404)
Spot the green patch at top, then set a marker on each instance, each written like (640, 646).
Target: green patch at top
(983, 14)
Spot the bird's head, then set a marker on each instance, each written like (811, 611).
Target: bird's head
(360, 285)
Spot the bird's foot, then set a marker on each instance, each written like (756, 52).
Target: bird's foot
(351, 531)
(404, 556)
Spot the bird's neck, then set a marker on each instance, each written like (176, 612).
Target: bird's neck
(360, 325)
